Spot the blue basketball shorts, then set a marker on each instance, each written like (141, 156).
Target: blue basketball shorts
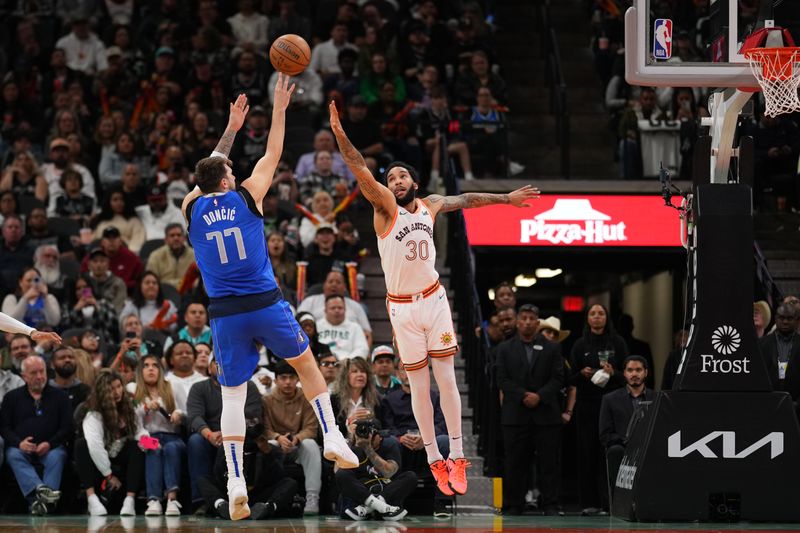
(235, 338)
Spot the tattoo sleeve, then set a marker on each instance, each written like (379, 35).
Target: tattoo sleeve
(226, 142)
(384, 467)
(369, 186)
(466, 201)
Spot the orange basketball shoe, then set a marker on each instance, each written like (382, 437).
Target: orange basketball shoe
(440, 474)
(457, 471)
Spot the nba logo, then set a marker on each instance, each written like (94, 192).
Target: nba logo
(662, 39)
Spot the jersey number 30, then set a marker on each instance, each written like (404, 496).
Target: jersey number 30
(219, 237)
(417, 249)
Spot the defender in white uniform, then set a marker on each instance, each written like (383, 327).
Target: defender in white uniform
(417, 305)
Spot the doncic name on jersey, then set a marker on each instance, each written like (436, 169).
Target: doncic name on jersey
(223, 213)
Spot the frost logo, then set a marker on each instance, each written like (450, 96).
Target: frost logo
(726, 340)
(569, 221)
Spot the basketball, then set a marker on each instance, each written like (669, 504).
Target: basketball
(290, 54)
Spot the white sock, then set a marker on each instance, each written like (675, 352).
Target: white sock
(434, 175)
(468, 176)
(420, 383)
(322, 408)
(450, 400)
(233, 429)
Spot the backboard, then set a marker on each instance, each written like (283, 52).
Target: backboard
(696, 43)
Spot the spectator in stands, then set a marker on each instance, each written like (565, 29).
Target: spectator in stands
(117, 211)
(781, 348)
(487, 138)
(379, 72)
(308, 91)
(335, 284)
(38, 233)
(171, 261)
(416, 50)
(365, 133)
(345, 338)
(89, 342)
(325, 55)
(344, 83)
(377, 464)
(31, 303)
(507, 320)
(355, 396)
(201, 362)
(251, 148)
(196, 330)
(323, 140)
(393, 119)
(636, 346)
(530, 374)
(617, 409)
(180, 357)
(322, 209)
(102, 282)
(132, 188)
(73, 203)
(84, 51)
(59, 155)
(9, 381)
(288, 21)
(283, 267)
(321, 178)
(595, 360)
(8, 205)
(65, 378)
(383, 367)
(36, 424)
(150, 305)
(777, 145)
(249, 29)
(479, 76)
(46, 261)
(108, 450)
(289, 423)
(123, 263)
(133, 346)
(19, 347)
(630, 144)
(158, 416)
(15, 254)
(309, 325)
(65, 123)
(158, 213)
(322, 255)
(24, 178)
(329, 366)
(436, 122)
(762, 316)
(112, 165)
(204, 408)
(250, 79)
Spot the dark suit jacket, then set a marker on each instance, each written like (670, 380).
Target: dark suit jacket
(615, 415)
(515, 377)
(769, 350)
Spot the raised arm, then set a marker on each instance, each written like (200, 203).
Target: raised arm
(376, 193)
(261, 179)
(517, 198)
(238, 112)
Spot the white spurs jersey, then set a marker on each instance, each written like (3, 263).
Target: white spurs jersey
(408, 256)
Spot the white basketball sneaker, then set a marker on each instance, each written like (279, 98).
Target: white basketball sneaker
(336, 450)
(237, 500)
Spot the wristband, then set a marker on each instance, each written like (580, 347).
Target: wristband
(569, 412)
(218, 154)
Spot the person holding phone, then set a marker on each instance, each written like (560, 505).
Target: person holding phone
(155, 404)
(82, 309)
(31, 303)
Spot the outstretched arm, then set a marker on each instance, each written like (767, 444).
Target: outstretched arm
(377, 194)
(261, 179)
(518, 198)
(238, 112)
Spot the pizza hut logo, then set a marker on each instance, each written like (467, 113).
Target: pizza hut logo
(570, 221)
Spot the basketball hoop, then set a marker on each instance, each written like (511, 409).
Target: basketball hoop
(777, 71)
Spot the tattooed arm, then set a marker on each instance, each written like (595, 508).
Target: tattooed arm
(238, 112)
(377, 194)
(445, 204)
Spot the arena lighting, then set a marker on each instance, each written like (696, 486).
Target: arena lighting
(573, 304)
(524, 281)
(546, 273)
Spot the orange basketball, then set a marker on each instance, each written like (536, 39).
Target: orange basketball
(290, 54)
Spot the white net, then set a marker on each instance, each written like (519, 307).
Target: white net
(777, 71)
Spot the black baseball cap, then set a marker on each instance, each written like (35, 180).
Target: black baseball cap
(111, 232)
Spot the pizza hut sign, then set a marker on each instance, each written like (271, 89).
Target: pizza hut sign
(555, 220)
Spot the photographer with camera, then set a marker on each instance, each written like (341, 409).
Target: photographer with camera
(376, 485)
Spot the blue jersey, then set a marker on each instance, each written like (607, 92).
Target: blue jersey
(227, 234)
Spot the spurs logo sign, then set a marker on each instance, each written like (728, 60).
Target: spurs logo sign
(773, 440)
(726, 341)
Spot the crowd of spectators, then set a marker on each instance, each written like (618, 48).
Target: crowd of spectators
(106, 106)
(540, 391)
(661, 125)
